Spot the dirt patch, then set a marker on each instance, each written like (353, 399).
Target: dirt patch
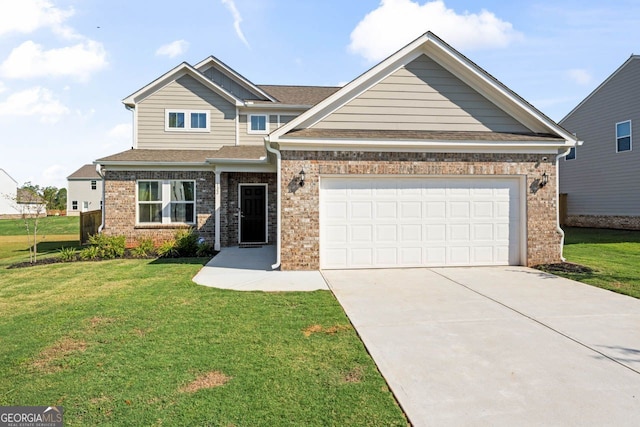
(565, 267)
(51, 358)
(355, 375)
(209, 380)
(331, 330)
(99, 400)
(98, 321)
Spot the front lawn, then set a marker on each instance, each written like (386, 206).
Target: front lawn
(613, 255)
(46, 226)
(136, 342)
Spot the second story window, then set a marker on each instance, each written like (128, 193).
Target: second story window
(94, 185)
(186, 120)
(623, 136)
(571, 155)
(257, 123)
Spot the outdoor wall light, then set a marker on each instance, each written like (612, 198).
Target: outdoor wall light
(301, 182)
(544, 180)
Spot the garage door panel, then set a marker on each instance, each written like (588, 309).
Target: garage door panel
(406, 222)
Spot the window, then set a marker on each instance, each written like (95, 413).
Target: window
(186, 120)
(74, 205)
(94, 185)
(165, 202)
(257, 123)
(571, 155)
(623, 136)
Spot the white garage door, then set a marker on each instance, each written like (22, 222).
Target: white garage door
(382, 222)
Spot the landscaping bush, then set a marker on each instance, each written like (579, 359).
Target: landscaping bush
(67, 254)
(168, 249)
(144, 248)
(109, 247)
(90, 253)
(186, 243)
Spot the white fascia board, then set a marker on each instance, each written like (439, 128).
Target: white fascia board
(175, 74)
(251, 105)
(146, 166)
(261, 168)
(414, 146)
(202, 65)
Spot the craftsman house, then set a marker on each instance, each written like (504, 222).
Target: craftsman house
(423, 160)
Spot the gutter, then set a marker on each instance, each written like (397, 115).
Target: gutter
(558, 229)
(267, 145)
(99, 172)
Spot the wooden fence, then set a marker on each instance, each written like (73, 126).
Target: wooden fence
(89, 224)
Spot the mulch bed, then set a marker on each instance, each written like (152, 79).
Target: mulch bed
(565, 267)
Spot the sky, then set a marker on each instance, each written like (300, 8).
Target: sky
(66, 65)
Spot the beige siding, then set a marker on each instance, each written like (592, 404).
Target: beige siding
(229, 84)
(421, 96)
(275, 120)
(185, 93)
(601, 181)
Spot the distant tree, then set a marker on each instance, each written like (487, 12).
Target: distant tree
(31, 206)
(61, 199)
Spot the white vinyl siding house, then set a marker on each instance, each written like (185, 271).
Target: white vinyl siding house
(84, 191)
(603, 181)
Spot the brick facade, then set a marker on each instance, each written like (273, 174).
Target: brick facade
(604, 221)
(120, 205)
(300, 205)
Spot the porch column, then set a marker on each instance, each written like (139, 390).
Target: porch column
(217, 211)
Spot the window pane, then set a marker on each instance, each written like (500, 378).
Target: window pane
(148, 191)
(198, 121)
(572, 154)
(176, 120)
(258, 122)
(624, 144)
(623, 129)
(182, 191)
(182, 212)
(150, 212)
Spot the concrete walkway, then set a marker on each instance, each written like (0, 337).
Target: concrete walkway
(249, 269)
(498, 346)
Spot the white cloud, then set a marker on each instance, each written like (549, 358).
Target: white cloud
(3, 88)
(55, 173)
(237, 19)
(397, 22)
(30, 60)
(580, 76)
(27, 16)
(121, 131)
(36, 101)
(173, 49)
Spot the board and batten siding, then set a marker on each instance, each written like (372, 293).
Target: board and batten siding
(275, 121)
(188, 94)
(230, 85)
(601, 181)
(421, 96)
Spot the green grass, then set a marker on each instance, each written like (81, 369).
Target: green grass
(48, 225)
(614, 255)
(115, 343)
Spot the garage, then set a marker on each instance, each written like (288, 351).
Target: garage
(386, 222)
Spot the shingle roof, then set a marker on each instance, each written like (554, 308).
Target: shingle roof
(85, 172)
(26, 197)
(187, 156)
(419, 135)
(299, 95)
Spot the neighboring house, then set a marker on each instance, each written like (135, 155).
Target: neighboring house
(602, 177)
(15, 202)
(424, 160)
(84, 191)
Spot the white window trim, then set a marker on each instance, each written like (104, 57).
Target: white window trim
(165, 192)
(575, 154)
(187, 120)
(257, 132)
(94, 184)
(630, 136)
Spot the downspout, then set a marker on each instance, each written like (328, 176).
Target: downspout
(267, 145)
(558, 229)
(99, 172)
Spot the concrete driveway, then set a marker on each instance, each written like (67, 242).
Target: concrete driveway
(499, 346)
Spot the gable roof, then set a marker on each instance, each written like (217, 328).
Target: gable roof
(453, 61)
(299, 95)
(212, 61)
(603, 84)
(174, 74)
(85, 172)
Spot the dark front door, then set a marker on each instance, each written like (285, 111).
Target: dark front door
(253, 214)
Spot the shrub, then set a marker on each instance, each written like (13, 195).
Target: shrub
(168, 249)
(144, 248)
(109, 247)
(67, 254)
(89, 253)
(186, 243)
(204, 250)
